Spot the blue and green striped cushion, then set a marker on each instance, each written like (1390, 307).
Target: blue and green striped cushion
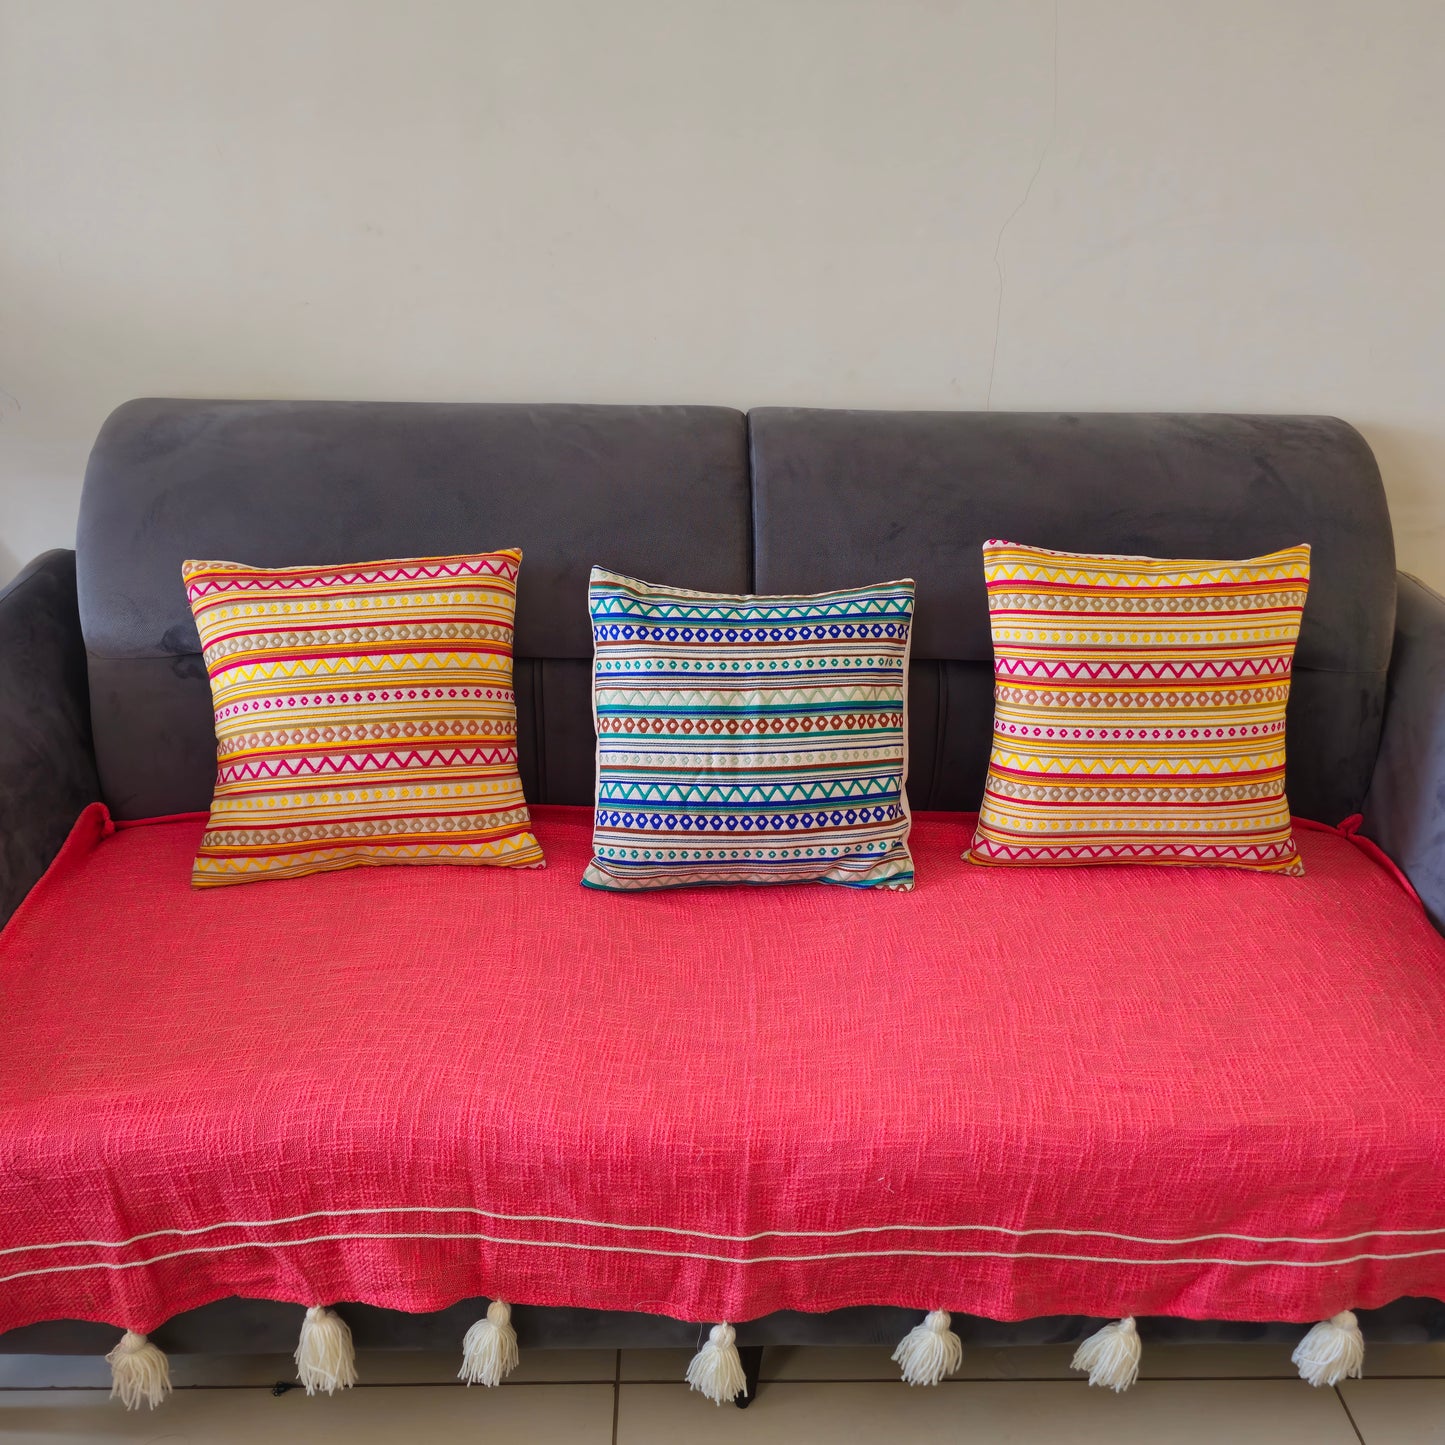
(749, 739)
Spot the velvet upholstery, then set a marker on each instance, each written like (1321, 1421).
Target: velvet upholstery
(47, 769)
(843, 496)
(1405, 812)
(836, 498)
(655, 490)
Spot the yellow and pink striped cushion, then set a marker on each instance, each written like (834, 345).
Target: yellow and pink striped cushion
(364, 715)
(1139, 709)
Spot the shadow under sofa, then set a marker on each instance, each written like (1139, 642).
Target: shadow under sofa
(106, 699)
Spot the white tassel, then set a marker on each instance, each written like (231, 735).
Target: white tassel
(929, 1351)
(489, 1351)
(325, 1356)
(1111, 1355)
(139, 1372)
(717, 1368)
(1332, 1351)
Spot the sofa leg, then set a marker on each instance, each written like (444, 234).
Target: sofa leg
(752, 1358)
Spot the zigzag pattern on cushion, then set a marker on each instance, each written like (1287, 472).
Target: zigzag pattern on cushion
(749, 739)
(1183, 670)
(376, 665)
(209, 578)
(1124, 635)
(312, 777)
(708, 790)
(724, 615)
(347, 763)
(1024, 765)
(1251, 854)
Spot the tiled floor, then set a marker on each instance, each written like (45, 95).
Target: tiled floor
(1188, 1395)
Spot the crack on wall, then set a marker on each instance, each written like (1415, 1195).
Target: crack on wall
(1014, 214)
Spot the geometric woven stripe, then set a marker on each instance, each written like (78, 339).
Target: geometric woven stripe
(364, 715)
(1139, 709)
(749, 739)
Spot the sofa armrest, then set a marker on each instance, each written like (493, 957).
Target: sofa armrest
(1405, 809)
(47, 766)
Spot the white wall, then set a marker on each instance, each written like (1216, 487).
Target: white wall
(1193, 204)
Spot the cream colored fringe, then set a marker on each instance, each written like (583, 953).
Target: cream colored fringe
(717, 1369)
(489, 1351)
(1332, 1351)
(325, 1356)
(139, 1372)
(929, 1351)
(1111, 1355)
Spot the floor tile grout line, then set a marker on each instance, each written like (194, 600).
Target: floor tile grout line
(1344, 1405)
(360, 1385)
(1025, 1380)
(618, 1380)
(447, 1384)
(616, 1394)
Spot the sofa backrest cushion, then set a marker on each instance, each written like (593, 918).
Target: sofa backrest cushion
(842, 497)
(825, 499)
(660, 491)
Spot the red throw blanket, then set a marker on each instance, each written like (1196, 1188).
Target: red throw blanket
(1012, 1092)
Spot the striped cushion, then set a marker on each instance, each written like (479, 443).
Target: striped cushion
(1139, 709)
(749, 739)
(364, 715)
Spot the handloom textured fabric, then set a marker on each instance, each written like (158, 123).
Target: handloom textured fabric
(1139, 708)
(749, 739)
(1101, 1092)
(364, 715)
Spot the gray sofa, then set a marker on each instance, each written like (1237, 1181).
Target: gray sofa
(103, 694)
